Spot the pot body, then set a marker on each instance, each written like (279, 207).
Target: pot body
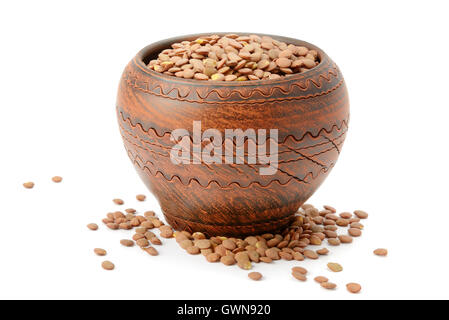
(310, 111)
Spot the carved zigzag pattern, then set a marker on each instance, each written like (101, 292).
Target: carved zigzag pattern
(153, 131)
(302, 156)
(159, 88)
(126, 134)
(135, 142)
(154, 172)
(174, 178)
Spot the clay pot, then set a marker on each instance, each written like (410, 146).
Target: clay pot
(310, 111)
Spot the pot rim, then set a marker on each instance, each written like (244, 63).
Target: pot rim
(158, 46)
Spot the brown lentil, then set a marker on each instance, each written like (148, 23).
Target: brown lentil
(112, 226)
(314, 240)
(203, 244)
(299, 276)
(127, 243)
(186, 244)
(334, 241)
(272, 253)
(100, 252)
(141, 230)
(346, 215)
(357, 225)
(229, 244)
(118, 201)
(155, 240)
(256, 276)
(156, 222)
(228, 260)
(298, 256)
(322, 251)
(92, 226)
(342, 222)
(334, 267)
(141, 197)
(310, 254)
(245, 265)
(107, 265)
(147, 225)
(213, 257)
(193, 250)
(321, 279)
(149, 235)
(265, 259)
(138, 236)
(330, 208)
(166, 231)
(381, 252)
(361, 214)
(225, 58)
(198, 236)
(328, 285)
(149, 214)
(151, 251)
(330, 234)
(354, 287)
(28, 185)
(56, 179)
(299, 269)
(345, 239)
(354, 232)
(179, 237)
(254, 256)
(142, 243)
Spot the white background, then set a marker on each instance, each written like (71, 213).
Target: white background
(60, 63)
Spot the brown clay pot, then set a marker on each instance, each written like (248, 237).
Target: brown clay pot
(310, 110)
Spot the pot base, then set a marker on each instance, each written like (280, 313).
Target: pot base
(271, 226)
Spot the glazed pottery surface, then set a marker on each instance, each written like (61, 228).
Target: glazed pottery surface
(310, 111)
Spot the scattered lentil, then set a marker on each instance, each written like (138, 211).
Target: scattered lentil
(381, 252)
(328, 285)
(334, 267)
(92, 226)
(256, 276)
(56, 179)
(321, 279)
(100, 252)
(107, 265)
(118, 201)
(127, 243)
(354, 287)
(28, 185)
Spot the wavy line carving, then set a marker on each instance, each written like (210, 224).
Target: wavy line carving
(302, 158)
(307, 179)
(344, 122)
(168, 148)
(191, 180)
(297, 151)
(255, 101)
(331, 71)
(305, 87)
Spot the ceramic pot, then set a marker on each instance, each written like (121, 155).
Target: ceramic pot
(310, 110)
